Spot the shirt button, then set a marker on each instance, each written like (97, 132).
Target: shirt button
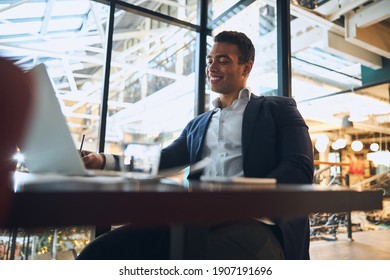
(221, 137)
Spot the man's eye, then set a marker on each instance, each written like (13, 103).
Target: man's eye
(217, 62)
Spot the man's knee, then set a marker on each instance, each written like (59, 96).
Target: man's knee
(244, 240)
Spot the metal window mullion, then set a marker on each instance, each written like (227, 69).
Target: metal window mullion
(106, 79)
(200, 57)
(284, 47)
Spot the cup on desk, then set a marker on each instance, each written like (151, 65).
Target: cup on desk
(142, 158)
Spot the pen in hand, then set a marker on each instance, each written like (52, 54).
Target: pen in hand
(82, 142)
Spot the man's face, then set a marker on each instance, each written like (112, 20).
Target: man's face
(225, 74)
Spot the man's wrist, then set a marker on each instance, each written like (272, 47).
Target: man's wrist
(104, 160)
(108, 161)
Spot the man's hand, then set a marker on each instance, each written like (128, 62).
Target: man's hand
(92, 160)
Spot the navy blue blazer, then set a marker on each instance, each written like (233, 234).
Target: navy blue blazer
(275, 144)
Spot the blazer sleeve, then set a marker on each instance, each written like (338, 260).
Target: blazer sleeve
(187, 149)
(176, 154)
(294, 150)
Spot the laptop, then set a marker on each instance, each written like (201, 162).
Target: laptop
(48, 146)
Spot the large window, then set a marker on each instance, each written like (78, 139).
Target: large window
(68, 37)
(152, 81)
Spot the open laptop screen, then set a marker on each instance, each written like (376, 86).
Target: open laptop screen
(48, 146)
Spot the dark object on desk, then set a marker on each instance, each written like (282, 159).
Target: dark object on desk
(15, 101)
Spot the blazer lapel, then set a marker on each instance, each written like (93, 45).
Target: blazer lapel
(201, 131)
(249, 121)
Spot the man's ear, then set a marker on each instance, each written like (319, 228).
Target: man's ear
(247, 68)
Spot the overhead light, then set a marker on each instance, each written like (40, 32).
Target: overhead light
(322, 143)
(356, 145)
(374, 147)
(339, 144)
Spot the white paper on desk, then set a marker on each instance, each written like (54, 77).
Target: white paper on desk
(239, 180)
(23, 178)
(55, 182)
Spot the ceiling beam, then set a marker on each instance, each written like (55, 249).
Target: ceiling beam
(317, 128)
(337, 44)
(69, 75)
(144, 12)
(46, 17)
(372, 14)
(375, 38)
(82, 116)
(371, 127)
(13, 5)
(233, 10)
(334, 9)
(303, 40)
(364, 28)
(320, 20)
(96, 59)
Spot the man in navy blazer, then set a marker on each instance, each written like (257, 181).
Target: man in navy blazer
(247, 136)
(275, 144)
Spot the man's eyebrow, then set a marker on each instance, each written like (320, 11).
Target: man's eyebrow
(219, 56)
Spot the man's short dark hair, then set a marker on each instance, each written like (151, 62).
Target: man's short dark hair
(244, 44)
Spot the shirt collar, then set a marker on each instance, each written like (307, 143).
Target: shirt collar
(244, 94)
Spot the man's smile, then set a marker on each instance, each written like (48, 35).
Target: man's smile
(215, 78)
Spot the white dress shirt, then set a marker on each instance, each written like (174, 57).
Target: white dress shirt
(223, 138)
(223, 141)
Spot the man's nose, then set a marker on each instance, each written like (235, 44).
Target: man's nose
(212, 67)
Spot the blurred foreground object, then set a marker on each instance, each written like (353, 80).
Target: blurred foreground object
(15, 101)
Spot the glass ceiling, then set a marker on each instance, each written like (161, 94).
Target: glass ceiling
(29, 20)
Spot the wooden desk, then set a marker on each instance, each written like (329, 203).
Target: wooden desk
(100, 202)
(108, 201)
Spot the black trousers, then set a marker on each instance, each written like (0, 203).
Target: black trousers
(243, 240)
